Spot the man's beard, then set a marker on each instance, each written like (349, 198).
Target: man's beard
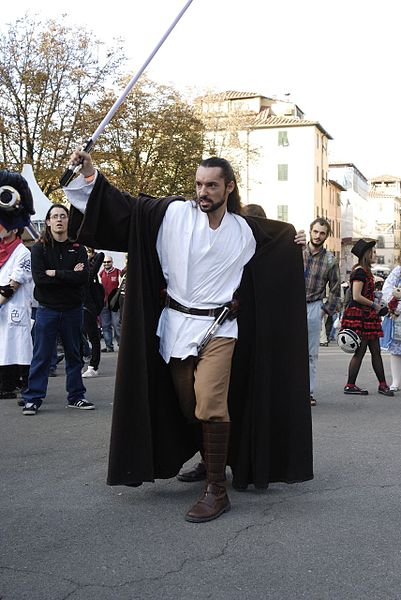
(317, 244)
(212, 207)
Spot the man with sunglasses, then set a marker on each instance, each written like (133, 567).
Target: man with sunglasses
(110, 319)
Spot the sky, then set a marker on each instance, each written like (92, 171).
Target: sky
(338, 61)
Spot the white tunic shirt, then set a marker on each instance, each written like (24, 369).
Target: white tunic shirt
(15, 315)
(202, 267)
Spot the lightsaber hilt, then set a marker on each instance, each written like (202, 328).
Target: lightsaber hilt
(213, 328)
(70, 172)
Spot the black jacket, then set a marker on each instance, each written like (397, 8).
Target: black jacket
(269, 406)
(66, 289)
(94, 291)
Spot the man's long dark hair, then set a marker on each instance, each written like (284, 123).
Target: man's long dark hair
(46, 236)
(234, 199)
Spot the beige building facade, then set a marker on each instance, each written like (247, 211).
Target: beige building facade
(385, 199)
(370, 210)
(281, 157)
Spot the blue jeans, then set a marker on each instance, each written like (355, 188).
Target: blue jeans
(49, 324)
(53, 362)
(314, 310)
(110, 320)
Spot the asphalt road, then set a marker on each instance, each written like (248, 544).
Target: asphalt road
(65, 534)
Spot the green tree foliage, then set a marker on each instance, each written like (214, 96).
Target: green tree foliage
(49, 75)
(56, 85)
(154, 142)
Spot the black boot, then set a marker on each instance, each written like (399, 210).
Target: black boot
(214, 500)
(196, 473)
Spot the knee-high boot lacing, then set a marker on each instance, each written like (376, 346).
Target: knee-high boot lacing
(214, 500)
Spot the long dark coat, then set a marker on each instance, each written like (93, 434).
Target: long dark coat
(271, 435)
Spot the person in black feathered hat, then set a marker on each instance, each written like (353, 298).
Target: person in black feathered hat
(16, 202)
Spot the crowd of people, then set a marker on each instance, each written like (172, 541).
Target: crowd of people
(195, 320)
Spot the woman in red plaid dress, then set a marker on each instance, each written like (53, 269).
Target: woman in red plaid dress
(361, 315)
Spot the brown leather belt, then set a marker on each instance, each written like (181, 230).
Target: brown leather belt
(200, 312)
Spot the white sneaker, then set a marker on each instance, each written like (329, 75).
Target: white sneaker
(90, 372)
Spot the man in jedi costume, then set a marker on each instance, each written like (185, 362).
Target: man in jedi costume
(244, 400)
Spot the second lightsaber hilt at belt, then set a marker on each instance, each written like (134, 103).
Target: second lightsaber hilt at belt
(213, 328)
(69, 173)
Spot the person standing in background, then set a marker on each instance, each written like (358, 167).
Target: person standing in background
(393, 281)
(60, 273)
(110, 319)
(362, 316)
(321, 270)
(93, 305)
(123, 285)
(15, 287)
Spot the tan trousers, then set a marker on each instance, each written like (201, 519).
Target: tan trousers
(202, 385)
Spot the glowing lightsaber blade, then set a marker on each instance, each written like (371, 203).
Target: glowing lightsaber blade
(72, 170)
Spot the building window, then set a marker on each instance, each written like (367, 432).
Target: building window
(282, 212)
(317, 174)
(317, 141)
(283, 138)
(380, 260)
(380, 242)
(282, 172)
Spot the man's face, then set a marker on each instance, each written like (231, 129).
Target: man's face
(318, 235)
(211, 189)
(7, 235)
(58, 221)
(108, 263)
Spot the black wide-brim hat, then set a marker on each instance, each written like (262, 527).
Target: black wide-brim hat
(361, 246)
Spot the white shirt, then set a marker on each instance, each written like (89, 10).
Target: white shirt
(202, 267)
(15, 315)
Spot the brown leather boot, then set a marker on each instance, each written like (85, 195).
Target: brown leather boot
(214, 500)
(196, 473)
